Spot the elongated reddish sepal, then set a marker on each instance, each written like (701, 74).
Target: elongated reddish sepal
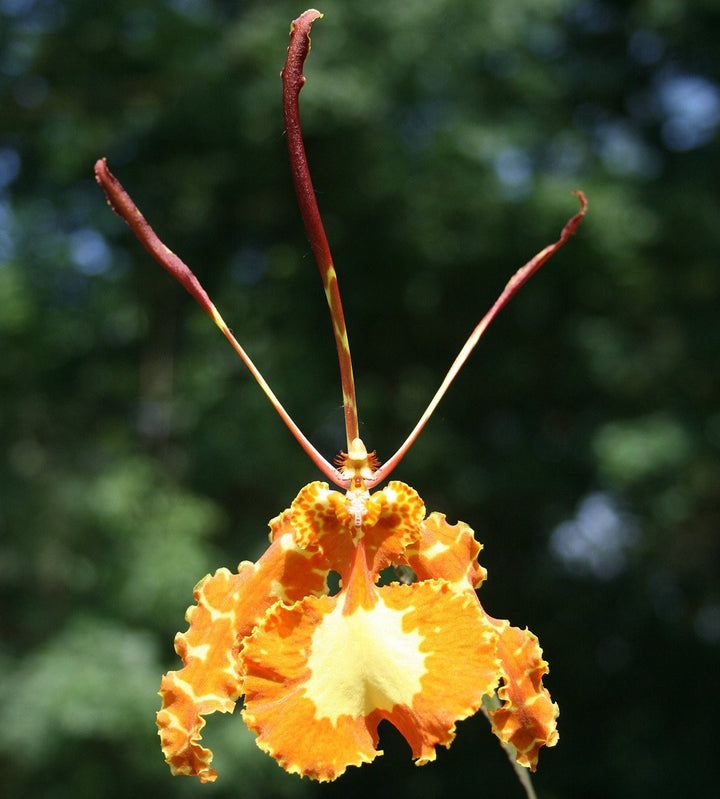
(120, 201)
(513, 285)
(293, 80)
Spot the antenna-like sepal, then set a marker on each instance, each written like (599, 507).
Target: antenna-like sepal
(513, 285)
(120, 201)
(358, 468)
(293, 81)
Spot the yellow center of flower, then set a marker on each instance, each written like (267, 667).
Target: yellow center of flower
(375, 664)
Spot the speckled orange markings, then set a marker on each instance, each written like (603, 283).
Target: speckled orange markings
(335, 666)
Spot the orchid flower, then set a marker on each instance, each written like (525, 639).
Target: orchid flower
(421, 653)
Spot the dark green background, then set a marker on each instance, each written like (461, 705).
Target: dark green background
(580, 442)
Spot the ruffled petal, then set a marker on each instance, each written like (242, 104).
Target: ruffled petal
(396, 527)
(209, 681)
(314, 515)
(527, 717)
(320, 522)
(335, 675)
(446, 551)
(387, 522)
(335, 667)
(287, 570)
(228, 607)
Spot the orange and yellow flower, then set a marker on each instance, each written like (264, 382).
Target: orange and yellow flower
(336, 665)
(420, 654)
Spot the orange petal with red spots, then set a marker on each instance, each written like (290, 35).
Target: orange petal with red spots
(397, 527)
(387, 521)
(313, 514)
(335, 675)
(228, 607)
(288, 570)
(527, 717)
(447, 551)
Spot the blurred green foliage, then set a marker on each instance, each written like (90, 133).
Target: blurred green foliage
(581, 441)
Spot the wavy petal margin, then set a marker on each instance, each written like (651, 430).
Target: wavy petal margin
(228, 608)
(387, 522)
(209, 681)
(447, 551)
(527, 718)
(335, 667)
(334, 675)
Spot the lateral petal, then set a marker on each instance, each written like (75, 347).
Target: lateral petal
(396, 527)
(209, 681)
(446, 551)
(387, 522)
(527, 717)
(228, 608)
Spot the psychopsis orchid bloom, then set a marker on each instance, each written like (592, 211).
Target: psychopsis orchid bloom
(421, 654)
